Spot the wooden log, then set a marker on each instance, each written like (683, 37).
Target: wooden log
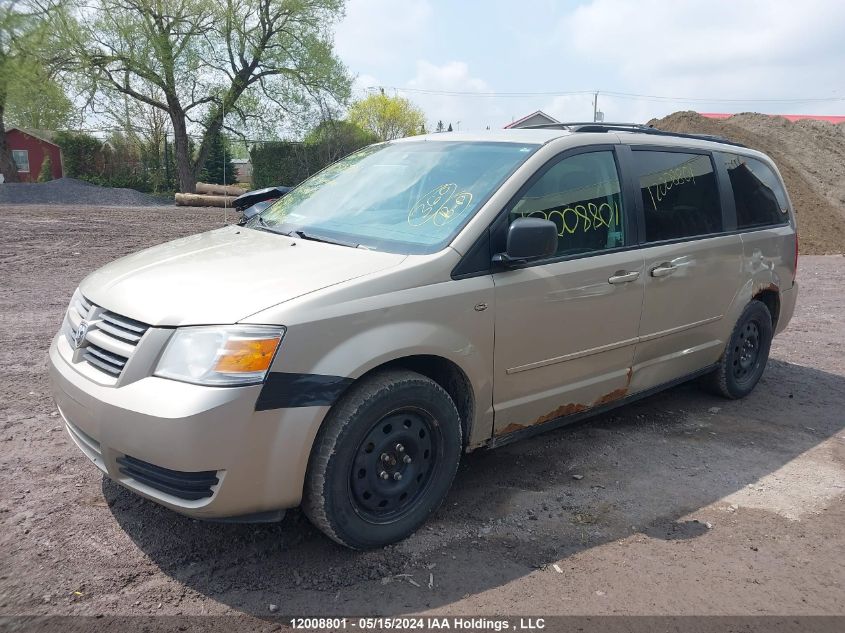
(219, 190)
(200, 200)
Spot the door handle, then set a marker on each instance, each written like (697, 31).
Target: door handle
(623, 277)
(663, 270)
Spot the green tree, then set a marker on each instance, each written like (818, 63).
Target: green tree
(205, 62)
(22, 35)
(386, 117)
(336, 139)
(46, 172)
(218, 168)
(36, 100)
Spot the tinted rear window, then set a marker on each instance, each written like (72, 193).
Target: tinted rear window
(760, 199)
(679, 193)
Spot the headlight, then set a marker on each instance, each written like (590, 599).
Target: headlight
(220, 355)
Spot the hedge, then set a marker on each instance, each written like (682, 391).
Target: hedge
(117, 162)
(282, 163)
(289, 163)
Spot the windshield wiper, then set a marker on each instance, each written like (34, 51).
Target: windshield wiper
(261, 224)
(319, 238)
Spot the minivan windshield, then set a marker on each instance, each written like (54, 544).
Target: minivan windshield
(409, 197)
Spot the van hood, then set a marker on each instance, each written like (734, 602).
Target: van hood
(224, 275)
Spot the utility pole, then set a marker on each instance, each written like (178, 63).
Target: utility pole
(223, 144)
(595, 106)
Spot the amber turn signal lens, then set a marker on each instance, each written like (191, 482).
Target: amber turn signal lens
(247, 355)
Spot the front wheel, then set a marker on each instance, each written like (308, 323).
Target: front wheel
(745, 355)
(383, 460)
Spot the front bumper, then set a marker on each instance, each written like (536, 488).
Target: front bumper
(258, 458)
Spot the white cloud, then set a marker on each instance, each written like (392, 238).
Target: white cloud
(722, 48)
(459, 110)
(379, 34)
(363, 84)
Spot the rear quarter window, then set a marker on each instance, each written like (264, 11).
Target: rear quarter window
(679, 194)
(759, 196)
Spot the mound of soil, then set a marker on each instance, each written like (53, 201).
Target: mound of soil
(810, 156)
(72, 192)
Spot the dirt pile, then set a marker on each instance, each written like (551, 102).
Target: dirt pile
(810, 156)
(71, 192)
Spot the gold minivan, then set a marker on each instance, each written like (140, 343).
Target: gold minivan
(416, 300)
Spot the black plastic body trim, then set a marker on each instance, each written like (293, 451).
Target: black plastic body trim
(284, 390)
(726, 193)
(268, 516)
(477, 259)
(501, 440)
(184, 485)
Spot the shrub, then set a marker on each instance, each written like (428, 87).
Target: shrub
(117, 162)
(81, 154)
(46, 172)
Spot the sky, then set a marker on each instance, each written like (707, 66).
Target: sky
(475, 63)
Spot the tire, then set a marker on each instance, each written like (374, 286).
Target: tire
(744, 359)
(383, 460)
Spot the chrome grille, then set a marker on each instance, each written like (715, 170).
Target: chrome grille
(121, 327)
(81, 304)
(111, 338)
(110, 363)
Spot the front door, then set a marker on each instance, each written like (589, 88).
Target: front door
(566, 328)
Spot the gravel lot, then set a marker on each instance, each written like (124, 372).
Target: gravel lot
(683, 504)
(70, 192)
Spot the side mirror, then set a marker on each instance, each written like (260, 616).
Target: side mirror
(250, 198)
(529, 238)
(250, 212)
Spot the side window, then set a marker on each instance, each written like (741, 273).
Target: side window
(760, 199)
(680, 198)
(581, 195)
(21, 158)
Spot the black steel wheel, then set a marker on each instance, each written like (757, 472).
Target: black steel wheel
(383, 460)
(393, 464)
(746, 353)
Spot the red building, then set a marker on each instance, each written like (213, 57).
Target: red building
(29, 150)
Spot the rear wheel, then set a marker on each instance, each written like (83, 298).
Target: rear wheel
(744, 359)
(383, 460)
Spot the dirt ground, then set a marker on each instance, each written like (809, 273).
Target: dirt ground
(680, 504)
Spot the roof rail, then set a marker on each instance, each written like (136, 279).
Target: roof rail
(589, 126)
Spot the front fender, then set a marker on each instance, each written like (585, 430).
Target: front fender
(340, 341)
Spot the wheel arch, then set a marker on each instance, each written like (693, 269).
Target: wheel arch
(446, 373)
(770, 297)
(764, 288)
